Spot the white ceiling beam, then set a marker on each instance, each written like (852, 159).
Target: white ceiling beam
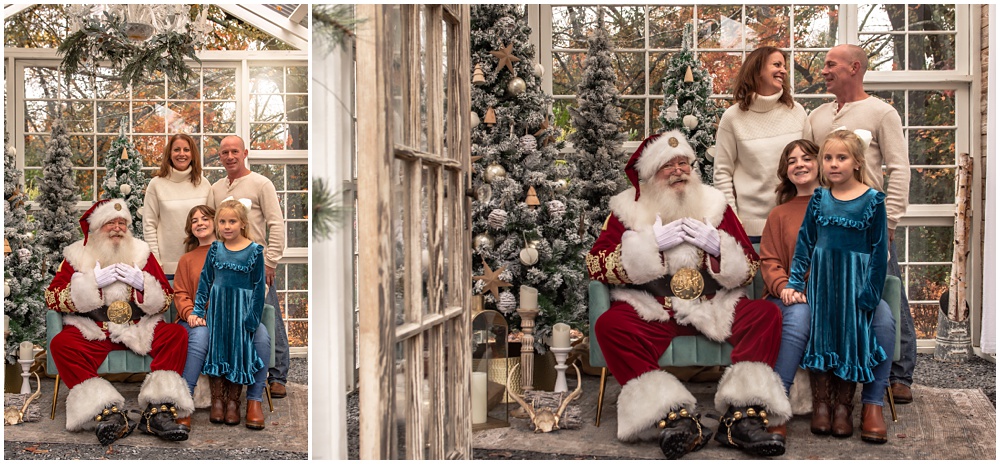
(13, 9)
(271, 22)
(300, 12)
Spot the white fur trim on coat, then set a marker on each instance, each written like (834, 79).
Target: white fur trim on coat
(138, 337)
(87, 400)
(645, 400)
(734, 267)
(88, 328)
(659, 151)
(154, 299)
(645, 304)
(106, 212)
(82, 259)
(713, 318)
(753, 384)
(641, 256)
(166, 386)
(84, 293)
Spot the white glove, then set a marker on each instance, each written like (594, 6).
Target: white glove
(106, 276)
(130, 275)
(701, 235)
(668, 236)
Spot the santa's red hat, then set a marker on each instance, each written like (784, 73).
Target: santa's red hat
(654, 152)
(102, 212)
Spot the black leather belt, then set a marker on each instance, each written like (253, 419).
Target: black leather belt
(101, 314)
(661, 287)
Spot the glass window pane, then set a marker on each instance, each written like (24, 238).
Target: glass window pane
(929, 146)
(220, 83)
(932, 186)
(267, 108)
(722, 68)
(151, 148)
(896, 98)
(38, 115)
(34, 149)
(298, 137)
(220, 117)
(190, 92)
(878, 18)
(571, 25)
(103, 145)
(563, 120)
(930, 244)
(78, 116)
(266, 79)
(808, 73)
(816, 26)
(654, 116)
(81, 86)
(41, 82)
(83, 150)
(156, 89)
(297, 206)
(268, 136)
(768, 25)
(885, 51)
(149, 117)
(298, 234)
(928, 282)
(108, 87)
(626, 25)
(657, 69)
(298, 176)
(110, 115)
(720, 26)
(298, 333)
(931, 17)
(296, 78)
(634, 117)
(925, 319)
(85, 180)
(297, 308)
(567, 71)
(183, 117)
(32, 181)
(297, 107)
(931, 108)
(666, 25)
(631, 73)
(932, 52)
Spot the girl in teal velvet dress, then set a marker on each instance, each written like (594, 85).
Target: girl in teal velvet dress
(232, 287)
(843, 243)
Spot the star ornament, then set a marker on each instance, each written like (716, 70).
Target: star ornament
(492, 280)
(506, 57)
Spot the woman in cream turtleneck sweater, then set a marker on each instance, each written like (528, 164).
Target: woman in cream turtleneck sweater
(752, 133)
(177, 187)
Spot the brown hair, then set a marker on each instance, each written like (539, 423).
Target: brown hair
(166, 165)
(190, 241)
(855, 147)
(748, 78)
(787, 190)
(241, 213)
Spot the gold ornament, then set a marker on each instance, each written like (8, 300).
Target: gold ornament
(120, 312)
(687, 283)
(506, 57)
(492, 280)
(494, 172)
(516, 86)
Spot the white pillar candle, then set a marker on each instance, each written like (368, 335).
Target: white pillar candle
(26, 348)
(560, 335)
(478, 397)
(529, 297)
(6, 323)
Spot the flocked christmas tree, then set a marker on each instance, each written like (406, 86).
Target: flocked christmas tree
(57, 216)
(124, 178)
(525, 219)
(598, 138)
(25, 279)
(687, 106)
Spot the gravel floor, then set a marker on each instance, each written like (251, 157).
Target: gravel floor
(976, 373)
(298, 372)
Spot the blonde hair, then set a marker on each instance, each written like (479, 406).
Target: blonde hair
(855, 147)
(241, 214)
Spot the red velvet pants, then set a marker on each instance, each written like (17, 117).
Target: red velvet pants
(77, 358)
(632, 346)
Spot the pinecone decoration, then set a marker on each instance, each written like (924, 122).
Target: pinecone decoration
(507, 303)
(497, 219)
(556, 209)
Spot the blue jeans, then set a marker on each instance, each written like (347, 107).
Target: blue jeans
(278, 373)
(198, 340)
(884, 328)
(794, 335)
(902, 370)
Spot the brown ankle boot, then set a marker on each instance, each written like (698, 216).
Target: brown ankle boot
(185, 421)
(233, 403)
(819, 383)
(873, 428)
(779, 429)
(255, 415)
(219, 391)
(843, 408)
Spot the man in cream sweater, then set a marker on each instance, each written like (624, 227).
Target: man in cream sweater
(267, 225)
(844, 72)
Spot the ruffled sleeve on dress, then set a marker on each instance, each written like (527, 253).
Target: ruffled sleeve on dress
(878, 235)
(255, 266)
(205, 280)
(805, 243)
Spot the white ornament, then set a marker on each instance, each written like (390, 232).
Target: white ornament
(516, 86)
(539, 70)
(6, 289)
(11, 150)
(710, 153)
(497, 219)
(507, 303)
(474, 119)
(690, 121)
(484, 193)
(126, 189)
(562, 185)
(493, 172)
(671, 112)
(529, 256)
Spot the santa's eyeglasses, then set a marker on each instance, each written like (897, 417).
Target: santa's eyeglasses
(683, 166)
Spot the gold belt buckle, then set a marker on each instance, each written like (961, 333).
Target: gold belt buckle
(120, 312)
(687, 283)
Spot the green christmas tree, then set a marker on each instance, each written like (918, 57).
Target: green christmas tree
(124, 178)
(523, 199)
(25, 279)
(58, 195)
(687, 106)
(598, 138)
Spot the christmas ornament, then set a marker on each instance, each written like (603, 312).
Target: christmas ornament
(11, 150)
(556, 209)
(491, 117)
(494, 172)
(124, 153)
(690, 121)
(688, 76)
(484, 193)
(24, 253)
(506, 57)
(507, 303)
(671, 111)
(528, 255)
(482, 241)
(516, 86)
(497, 219)
(474, 119)
(126, 189)
(528, 143)
(31, 236)
(562, 185)
(532, 199)
(477, 75)
(492, 280)
(6, 289)
(710, 153)
(539, 70)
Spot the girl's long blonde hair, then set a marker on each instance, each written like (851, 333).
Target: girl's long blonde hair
(241, 213)
(855, 147)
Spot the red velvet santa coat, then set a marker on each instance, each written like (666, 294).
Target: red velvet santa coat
(74, 292)
(627, 253)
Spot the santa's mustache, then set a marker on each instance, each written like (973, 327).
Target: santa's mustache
(675, 178)
(116, 233)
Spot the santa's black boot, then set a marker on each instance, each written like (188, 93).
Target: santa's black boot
(746, 429)
(112, 424)
(160, 420)
(682, 433)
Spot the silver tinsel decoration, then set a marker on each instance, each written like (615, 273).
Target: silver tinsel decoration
(507, 303)
(528, 142)
(497, 219)
(556, 209)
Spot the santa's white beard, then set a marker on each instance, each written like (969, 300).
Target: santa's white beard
(672, 204)
(107, 252)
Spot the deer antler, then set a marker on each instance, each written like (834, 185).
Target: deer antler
(529, 409)
(572, 396)
(38, 392)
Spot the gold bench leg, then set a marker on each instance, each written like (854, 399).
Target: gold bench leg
(600, 395)
(267, 391)
(892, 404)
(55, 397)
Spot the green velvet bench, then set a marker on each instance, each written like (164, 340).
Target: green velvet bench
(698, 350)
(128, 362)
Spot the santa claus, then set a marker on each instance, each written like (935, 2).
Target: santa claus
(113, 294)
(677, 259)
